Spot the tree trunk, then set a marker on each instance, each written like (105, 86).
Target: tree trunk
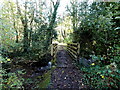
(25, 40)
(24, 22)
(52, 22)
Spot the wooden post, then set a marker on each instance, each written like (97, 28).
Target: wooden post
(56, 49)
(78, 52)
(54, 46)
(51, 49)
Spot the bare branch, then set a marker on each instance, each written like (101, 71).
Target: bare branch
(19, 12)
(52, 2)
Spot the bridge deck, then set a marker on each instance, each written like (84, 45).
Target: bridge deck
(66, 75)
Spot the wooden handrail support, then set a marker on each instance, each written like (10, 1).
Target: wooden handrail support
(74, 50)
(53, 49)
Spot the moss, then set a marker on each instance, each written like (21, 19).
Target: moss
(53, 61)
(46, 79)
(45, 82)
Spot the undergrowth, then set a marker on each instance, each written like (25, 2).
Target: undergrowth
(101, 76)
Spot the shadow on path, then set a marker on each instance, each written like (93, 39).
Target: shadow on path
(66, 75)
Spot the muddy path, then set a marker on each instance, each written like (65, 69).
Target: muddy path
(66, 75)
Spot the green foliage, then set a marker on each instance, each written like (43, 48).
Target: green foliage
(53, 61)
(96, 32)
(99, 40)
(26, 28)
(99, 75)
(68, 39)
(9, 79)
(64, 29)
(102, 77)
(8, 22)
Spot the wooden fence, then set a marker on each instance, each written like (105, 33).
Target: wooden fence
(74, 50)
(54, 49)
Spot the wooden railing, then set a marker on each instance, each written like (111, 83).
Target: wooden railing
(74, 50)
(54, 49)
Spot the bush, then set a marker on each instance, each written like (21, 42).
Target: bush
(102, 76)
(9, 79)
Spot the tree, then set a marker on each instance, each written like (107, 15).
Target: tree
(65, 29)
(27, 22)
(95, 30)
(25, 26)
(52, 21)
(8, 27)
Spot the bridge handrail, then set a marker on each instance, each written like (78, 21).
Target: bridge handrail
(73, 50)
(54, 49)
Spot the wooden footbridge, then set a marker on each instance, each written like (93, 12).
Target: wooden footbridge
(73, 49)
(66, 75)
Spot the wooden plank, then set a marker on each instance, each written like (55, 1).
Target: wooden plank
(78, 53)
(75, 52)
(75, 57)
(73, 43)
(72, 47)
(72, 53)
(78, 49)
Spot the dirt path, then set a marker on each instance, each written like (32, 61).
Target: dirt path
(66, 75)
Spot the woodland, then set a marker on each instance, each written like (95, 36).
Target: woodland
(29, 27)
